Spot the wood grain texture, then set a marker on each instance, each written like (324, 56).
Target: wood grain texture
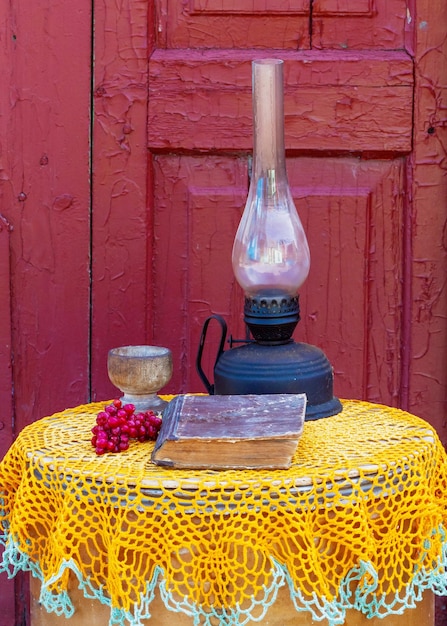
(6, 389)
(199, 203)
(362, 105)
(281, 613)
(248, 7)
(120, 216)
(233, 24)
(426, 225)
(352, 213)
(7, 609)
(45, 54)
(345, 25)
(45, 196)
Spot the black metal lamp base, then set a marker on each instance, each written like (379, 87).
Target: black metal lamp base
(273, 363)
(284, 368)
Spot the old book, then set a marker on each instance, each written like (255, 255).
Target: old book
(230, 432)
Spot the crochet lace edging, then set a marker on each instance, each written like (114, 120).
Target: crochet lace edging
(356, 591)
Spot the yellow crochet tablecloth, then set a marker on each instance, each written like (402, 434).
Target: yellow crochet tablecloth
(358, 521)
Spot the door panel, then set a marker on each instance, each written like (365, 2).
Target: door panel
(341, 102)
(368, 24)
(247, 7)
(353, 221)
(282, 24)
(199, 203)
(352, 211)
(120, 257)
(342, 7)
(233, 24)
(338, 103)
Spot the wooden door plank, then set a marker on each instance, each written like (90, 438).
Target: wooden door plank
(120, 216)
(7, 608)
(248, 7)
(226, 68)
(45, 196)
(6, 388)
(425, 386)
(364, 105)
(234, 24)
(342, 7)
(360, 25)
(199, 203)
(353, 217)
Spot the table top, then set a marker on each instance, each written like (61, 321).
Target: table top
(357, 521)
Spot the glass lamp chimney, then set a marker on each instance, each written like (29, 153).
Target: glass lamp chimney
(270, 253)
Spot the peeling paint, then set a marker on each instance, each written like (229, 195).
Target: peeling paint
(63, 202)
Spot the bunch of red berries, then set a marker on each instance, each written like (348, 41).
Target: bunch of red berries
(117, 424)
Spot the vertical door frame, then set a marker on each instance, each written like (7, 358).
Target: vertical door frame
(7, 604)
(425, 304)
(120, 161)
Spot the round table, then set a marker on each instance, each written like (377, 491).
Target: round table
(352, 532)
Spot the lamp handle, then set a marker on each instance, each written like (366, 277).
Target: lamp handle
(223, 325)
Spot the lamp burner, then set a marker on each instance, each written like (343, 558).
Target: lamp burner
(272, 318)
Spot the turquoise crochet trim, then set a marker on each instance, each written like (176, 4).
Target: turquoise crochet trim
(363, 580)
(15, 560)
(430, 576)
(234, 616)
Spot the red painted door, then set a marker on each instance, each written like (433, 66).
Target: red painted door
(348, 105)
(45, 217)
(362, 131)
(171, 160)
(124, 168)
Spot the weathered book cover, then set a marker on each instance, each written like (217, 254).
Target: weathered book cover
(230, 432)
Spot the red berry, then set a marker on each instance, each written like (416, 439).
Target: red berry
(102, 418)
(101, 444)
(113, 421)
(116, 424)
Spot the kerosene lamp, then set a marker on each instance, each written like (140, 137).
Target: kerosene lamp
(271, 261)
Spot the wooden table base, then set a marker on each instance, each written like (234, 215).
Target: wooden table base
(282, 613)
